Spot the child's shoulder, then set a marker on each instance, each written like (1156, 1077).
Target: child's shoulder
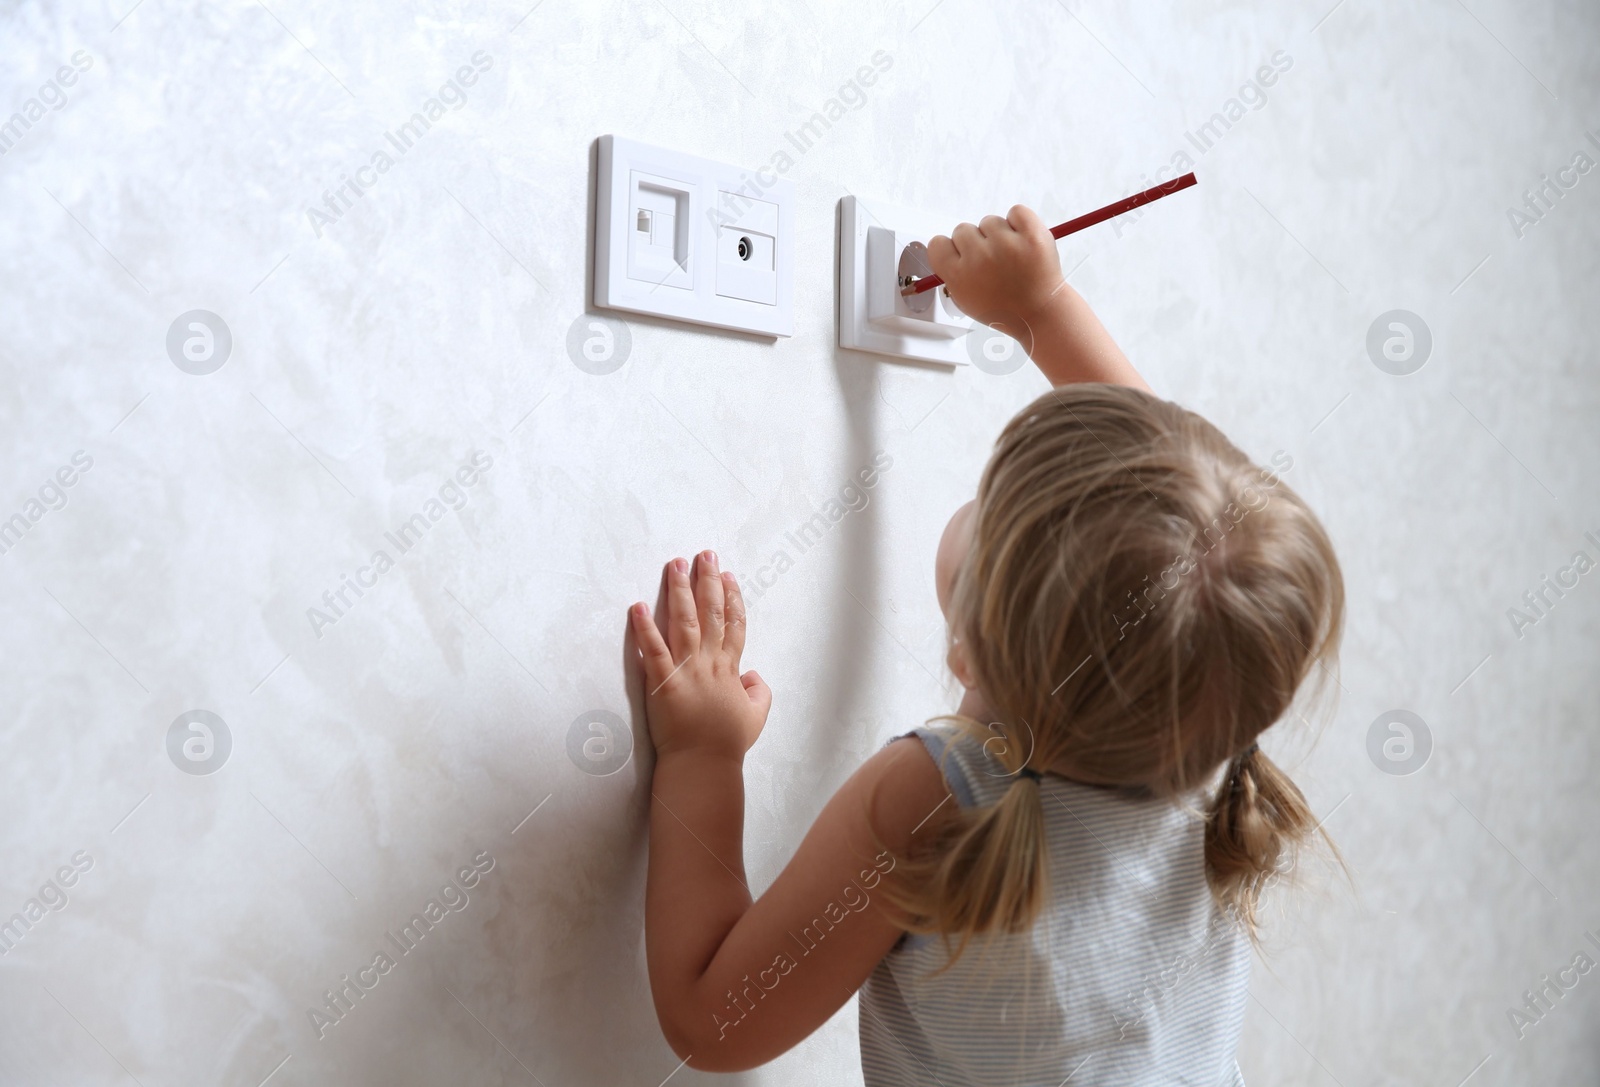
(955, 752)
(903, 784)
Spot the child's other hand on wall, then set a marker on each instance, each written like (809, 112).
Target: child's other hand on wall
(695, 698)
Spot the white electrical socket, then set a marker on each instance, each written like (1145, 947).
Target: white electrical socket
(691, 239)
(879, 246)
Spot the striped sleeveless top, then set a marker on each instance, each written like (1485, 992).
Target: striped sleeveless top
(1131, 975)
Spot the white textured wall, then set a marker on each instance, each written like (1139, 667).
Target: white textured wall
(370, 763)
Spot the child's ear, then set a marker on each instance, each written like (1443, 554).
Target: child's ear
(960, 666)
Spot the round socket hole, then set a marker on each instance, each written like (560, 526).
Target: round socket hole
(914, 266)
(745, 248)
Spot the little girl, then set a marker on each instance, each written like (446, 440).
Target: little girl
(1060, 882)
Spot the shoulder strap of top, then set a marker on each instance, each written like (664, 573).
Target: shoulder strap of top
(940, 743)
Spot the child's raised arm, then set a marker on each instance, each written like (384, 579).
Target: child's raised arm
(1006, 273)
(738, 982)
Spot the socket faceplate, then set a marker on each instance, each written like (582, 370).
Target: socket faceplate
(878, 243)
(692, 239)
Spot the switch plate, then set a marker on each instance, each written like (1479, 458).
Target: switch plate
(692, 239)
(879, 242)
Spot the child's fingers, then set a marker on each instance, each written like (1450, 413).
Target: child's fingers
(1024, 220)
(652, 648)
(683, 625)
(992, 226)
(966, 238)
(733, 639)
(942, 256)
(708, 600)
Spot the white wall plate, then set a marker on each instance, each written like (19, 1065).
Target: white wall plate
(692, 239)
(875, 240)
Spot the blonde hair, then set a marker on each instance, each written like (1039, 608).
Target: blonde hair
(1138, 604)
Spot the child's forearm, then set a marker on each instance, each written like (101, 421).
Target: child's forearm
(1070, 344)
(695, 891)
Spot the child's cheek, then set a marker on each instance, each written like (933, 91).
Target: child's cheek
(953, 547)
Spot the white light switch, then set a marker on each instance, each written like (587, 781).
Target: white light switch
(691, 239)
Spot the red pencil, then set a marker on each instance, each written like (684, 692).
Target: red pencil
(1072, 226)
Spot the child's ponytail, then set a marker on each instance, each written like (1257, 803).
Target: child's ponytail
(979, 869)
(1257, 822)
